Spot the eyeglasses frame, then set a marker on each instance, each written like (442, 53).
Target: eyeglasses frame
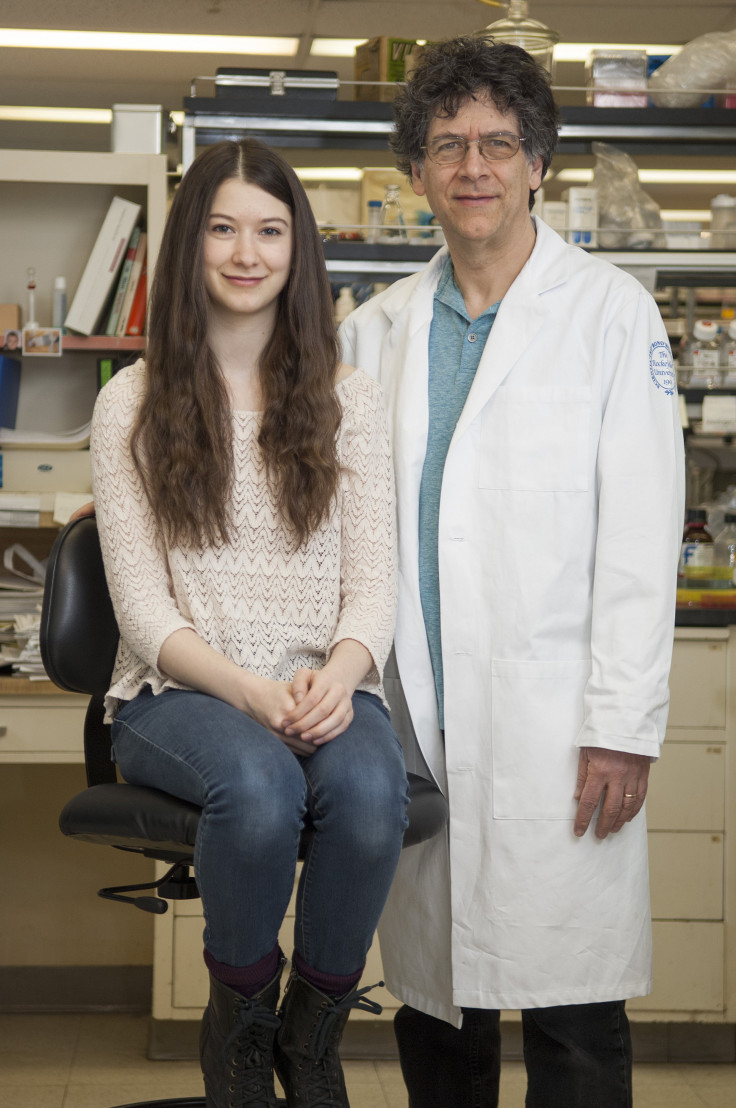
(467, 143)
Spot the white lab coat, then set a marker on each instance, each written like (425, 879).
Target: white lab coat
(559, 531)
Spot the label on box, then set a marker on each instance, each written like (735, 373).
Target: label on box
(719, 415)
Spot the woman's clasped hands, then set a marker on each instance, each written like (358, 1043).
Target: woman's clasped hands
(306, 712)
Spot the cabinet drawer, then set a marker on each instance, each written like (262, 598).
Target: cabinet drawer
(686, 875)
(190, 986)
(698, 684)
(687, 788)
(688, 969)
(46, 728)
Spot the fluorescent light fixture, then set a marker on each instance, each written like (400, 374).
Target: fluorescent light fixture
(143, 42)
(55, 115)
(335, 47)
(579, 51)
(686, 215)
(333, 173)
(661, 176)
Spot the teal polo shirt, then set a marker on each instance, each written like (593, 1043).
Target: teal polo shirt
(456, 343)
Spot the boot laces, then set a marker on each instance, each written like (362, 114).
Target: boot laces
(323, 1081)
(356, 998)
(248, 1051)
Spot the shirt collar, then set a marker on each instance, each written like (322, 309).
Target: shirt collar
(448, 293)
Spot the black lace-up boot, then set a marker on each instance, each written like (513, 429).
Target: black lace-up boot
(236, 1046)
(306, 1049)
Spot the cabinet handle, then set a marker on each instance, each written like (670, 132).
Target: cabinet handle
(3, 732)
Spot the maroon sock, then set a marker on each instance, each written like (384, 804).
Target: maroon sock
(247, 980)
(331, 984)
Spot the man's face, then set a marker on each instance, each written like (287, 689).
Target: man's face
(477, 201)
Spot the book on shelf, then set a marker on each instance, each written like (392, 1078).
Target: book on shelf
(117, 304)
(110, 364)
(135, 275)
(103, 266)
(137, 317)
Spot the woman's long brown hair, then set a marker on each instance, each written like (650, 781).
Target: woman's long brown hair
(182, 441)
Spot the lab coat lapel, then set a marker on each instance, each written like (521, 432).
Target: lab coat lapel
(520, 317)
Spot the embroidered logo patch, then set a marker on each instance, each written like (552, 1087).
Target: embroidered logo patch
(662, 367)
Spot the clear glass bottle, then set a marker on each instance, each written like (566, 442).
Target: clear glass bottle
(393, 227)
(706, 355)
(696, 554)
(724, 554)
(685, 360)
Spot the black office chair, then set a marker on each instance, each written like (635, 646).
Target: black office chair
(79, 638)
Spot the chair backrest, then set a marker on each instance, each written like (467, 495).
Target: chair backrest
(79, 635)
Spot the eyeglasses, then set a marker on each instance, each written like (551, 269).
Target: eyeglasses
(496, 147)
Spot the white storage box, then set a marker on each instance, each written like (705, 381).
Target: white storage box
(137, 129)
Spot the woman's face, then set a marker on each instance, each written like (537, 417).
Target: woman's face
(247, 251)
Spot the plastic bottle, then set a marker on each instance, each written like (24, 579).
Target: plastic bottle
(696, 554)
(374, 221)
(58, 314)
(393, 227)
(706, 355)
(728, 356)
(344, 304)
(724, 554)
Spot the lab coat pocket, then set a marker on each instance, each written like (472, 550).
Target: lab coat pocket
(536, 440)
(537, 712)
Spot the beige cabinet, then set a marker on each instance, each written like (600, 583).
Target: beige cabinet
(691, 809)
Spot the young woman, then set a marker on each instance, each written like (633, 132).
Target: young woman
(243, 490)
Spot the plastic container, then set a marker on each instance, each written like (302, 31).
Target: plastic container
(724, 554)
(344, 304)
(374, 221)
(58, 311)
(696, 554)
(617, 78)
(393, 227)
(723, 222)
(706, 355)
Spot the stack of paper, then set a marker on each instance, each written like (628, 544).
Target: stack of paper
(21, 594)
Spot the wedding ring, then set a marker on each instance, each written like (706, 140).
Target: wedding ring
(630, 796)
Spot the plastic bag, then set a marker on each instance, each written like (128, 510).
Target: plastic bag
(705, 63)
(628, 218)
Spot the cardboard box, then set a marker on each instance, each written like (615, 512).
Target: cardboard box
(382, 59)
(9, 317)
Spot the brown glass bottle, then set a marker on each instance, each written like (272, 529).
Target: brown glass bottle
(696, 555)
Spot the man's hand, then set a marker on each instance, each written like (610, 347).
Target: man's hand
(619, 778)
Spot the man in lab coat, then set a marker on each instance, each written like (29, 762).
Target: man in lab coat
(539, 470)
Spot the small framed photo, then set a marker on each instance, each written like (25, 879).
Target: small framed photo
(11, 340)
(43, 342)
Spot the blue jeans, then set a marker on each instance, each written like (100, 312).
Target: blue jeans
(576, 1055)
(254, 794)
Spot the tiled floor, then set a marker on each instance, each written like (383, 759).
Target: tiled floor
(95, 1061)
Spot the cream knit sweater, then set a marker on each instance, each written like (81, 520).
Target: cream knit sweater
(263, 604)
